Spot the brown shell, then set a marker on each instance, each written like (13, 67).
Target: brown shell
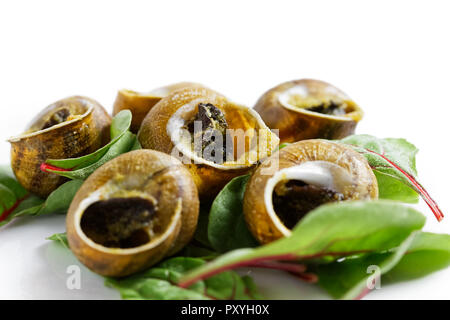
(68, 139)
(257, 217)
(209, 179)
(155, 174)
(295, 124)
(140, 103)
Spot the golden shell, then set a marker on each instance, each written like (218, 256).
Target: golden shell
(318, 160)
(150, 207)
(68, 128)
(140, 103)
(289, 107)
(168, 117)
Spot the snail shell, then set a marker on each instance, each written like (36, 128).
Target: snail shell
(243, 136)
(140, 103)
(308, 109)
(68, 128)
(300, 177)
(133, 211)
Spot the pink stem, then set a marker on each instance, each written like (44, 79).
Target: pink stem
(423, 193)
(187, 283)
(261, 261)
(308, 277)
(290, 267)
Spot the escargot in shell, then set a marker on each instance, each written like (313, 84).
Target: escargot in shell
(68, 128)
(140, 103)
(299, 178)
(132, 212)
(215, 138)
(308, 109)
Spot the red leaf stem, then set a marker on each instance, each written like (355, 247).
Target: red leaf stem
(6, 213)
(423, 193)
(45, 167)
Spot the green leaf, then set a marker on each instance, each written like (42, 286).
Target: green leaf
(14, 199)
(393, 189)
(120, 125)
(399, 150)
(123, 145)
(11, 192)
(227, 229)
(428, 253)
(60, 238)
(194, 250)
(391, 182)
(350, 278)
(393, 159)
(329, 232)
(8, 180)
(30, 205)
(282, 145)
(137, 145)
(7, 198)
(201, 233)
(160, 283)
(59, 200)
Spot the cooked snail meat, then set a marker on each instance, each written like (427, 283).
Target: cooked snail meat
(118, 222)
(329, 107)
(211, 123)
(58, 117)
(293, 199)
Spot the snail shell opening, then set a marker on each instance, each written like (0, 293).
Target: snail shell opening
(113, 221)
(299, 178)
(328, 102)
(247, 139)
(56, 116)
(326, 176)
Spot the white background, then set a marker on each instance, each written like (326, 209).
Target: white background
(392, 57)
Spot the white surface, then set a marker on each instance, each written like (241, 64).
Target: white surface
(391, 57)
